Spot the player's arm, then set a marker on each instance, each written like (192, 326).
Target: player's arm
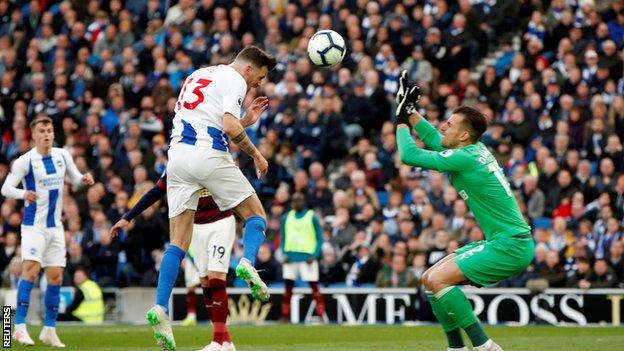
(427, 133)
(148, 199)
(236, 133)
(283, 236)
(76, 177)
(410, 154)
(17, 174)
(319, 237)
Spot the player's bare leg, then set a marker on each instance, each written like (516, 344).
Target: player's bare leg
(181, 229)
(452, 307)
(30, 272)
(252, 212)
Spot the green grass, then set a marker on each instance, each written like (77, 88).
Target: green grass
(334, 337)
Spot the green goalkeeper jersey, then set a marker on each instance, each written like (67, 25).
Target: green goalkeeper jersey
(474, 173)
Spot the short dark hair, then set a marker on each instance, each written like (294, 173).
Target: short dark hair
(257, 57)
(40, 120)
(474, 120)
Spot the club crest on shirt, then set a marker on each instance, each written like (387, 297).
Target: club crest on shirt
(446, 153)
(240, 101)
(59, 163)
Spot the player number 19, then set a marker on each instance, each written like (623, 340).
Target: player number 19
(220, 250)
(494, 168)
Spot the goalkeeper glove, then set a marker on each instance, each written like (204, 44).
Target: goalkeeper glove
(406, 99)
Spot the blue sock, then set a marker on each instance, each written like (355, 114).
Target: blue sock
(253, 236)
(51, 300)
(168, 274)
(23, 300)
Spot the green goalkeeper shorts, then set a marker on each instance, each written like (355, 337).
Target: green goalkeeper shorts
(487, 262)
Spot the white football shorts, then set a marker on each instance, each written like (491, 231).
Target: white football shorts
(307, 272)
(212, 245)
(44, 245)
(190, 169)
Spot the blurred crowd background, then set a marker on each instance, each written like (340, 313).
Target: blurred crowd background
(108, 73)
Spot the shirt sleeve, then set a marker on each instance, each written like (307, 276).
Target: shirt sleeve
(233, 95)
(444, 161)
(17, 174)
(148, 199)
(429, 135)
(72, 170)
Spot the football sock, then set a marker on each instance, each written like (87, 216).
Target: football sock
(449, 325)
(286, 298)
(23, 300)
(318, 297)
(454, 300)
(169, 267)
(51, 300)
(253, 236)
(191, 300)
(219, 310)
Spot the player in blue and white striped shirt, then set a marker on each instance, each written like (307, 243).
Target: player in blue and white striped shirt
(42, 172)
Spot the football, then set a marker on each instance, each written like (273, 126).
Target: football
(326, 48)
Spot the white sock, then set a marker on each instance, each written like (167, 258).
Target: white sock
(191, 315)
(49, 328)
(485, 346)
(459, 349)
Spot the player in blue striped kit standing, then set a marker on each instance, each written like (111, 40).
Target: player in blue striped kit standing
(42, 171)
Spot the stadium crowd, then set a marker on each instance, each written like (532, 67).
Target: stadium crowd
(109, 72)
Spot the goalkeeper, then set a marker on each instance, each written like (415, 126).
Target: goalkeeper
(508, 247)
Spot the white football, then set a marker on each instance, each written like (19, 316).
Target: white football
(326, 48)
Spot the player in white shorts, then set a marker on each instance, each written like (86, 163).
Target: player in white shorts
(207, 115)
(213, 237)
(42, 171)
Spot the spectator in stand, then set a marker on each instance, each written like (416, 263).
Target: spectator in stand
(395, 275)
(602, 276)
(553, 271)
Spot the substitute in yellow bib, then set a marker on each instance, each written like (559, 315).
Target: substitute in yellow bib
(302, 238)
(88, 303)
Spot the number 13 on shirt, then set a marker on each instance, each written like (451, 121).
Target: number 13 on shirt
(195, 97)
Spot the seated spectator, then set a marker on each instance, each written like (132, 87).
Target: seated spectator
(268, 268)
(363, 266)
(616, 260)
(395, 275)
(438, 250)
(553, 271)
(150, 277)
(8, 249)
(330, 268)
(580, 278)
(602, 276)
(12, 273)
(104, 256)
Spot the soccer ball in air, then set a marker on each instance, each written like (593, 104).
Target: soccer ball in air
(326, 48)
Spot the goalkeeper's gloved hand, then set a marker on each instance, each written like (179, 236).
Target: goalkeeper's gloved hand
(406, 99)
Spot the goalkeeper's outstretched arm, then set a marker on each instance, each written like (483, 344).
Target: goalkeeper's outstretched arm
(445, 161)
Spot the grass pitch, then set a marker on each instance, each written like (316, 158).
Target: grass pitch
(333, 337)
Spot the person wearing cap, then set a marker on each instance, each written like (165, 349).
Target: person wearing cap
(437, 53)
(418, 68)
(358, 112)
